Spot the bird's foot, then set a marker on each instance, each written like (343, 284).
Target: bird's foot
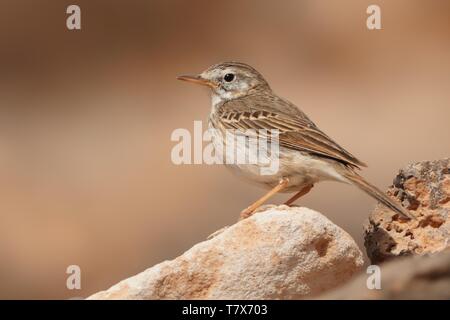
(248, 213)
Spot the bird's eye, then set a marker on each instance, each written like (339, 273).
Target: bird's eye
(228, 77)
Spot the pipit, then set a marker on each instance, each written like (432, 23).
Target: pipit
(242, 100)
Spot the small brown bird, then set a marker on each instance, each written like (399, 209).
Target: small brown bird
(242, 100)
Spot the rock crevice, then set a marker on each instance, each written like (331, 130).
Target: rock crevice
(424, 188)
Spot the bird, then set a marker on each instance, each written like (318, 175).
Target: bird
(242, 100)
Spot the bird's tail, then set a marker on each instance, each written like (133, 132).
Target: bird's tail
(376, 193)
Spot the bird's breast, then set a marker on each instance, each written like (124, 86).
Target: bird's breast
(266, 164)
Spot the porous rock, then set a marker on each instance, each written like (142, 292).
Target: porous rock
(424, 189)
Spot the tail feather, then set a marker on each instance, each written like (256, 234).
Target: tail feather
(376, 193)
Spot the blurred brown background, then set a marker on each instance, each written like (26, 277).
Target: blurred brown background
(86, 117)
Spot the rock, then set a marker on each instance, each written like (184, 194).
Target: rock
(281, 253)
(423, 188)
(416, 277)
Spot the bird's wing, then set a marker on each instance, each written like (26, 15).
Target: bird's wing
(296, 130)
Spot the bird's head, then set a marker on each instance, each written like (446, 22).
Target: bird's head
(229, 80)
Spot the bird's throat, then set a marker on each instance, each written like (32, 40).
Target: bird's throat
(216, 100)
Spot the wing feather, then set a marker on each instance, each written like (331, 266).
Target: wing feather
(296, 130)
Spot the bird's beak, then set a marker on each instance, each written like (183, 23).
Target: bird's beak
(198, 80)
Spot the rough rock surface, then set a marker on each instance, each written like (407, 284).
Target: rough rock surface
(416, 277)
(423, 188)
(281, 253)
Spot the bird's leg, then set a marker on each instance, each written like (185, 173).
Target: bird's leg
(249, 211)
(299, 194)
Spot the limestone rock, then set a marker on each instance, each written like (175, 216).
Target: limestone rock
(415, 277)
(281, 253)
(423, 188)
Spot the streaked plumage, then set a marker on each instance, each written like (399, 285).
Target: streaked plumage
(307, 155)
